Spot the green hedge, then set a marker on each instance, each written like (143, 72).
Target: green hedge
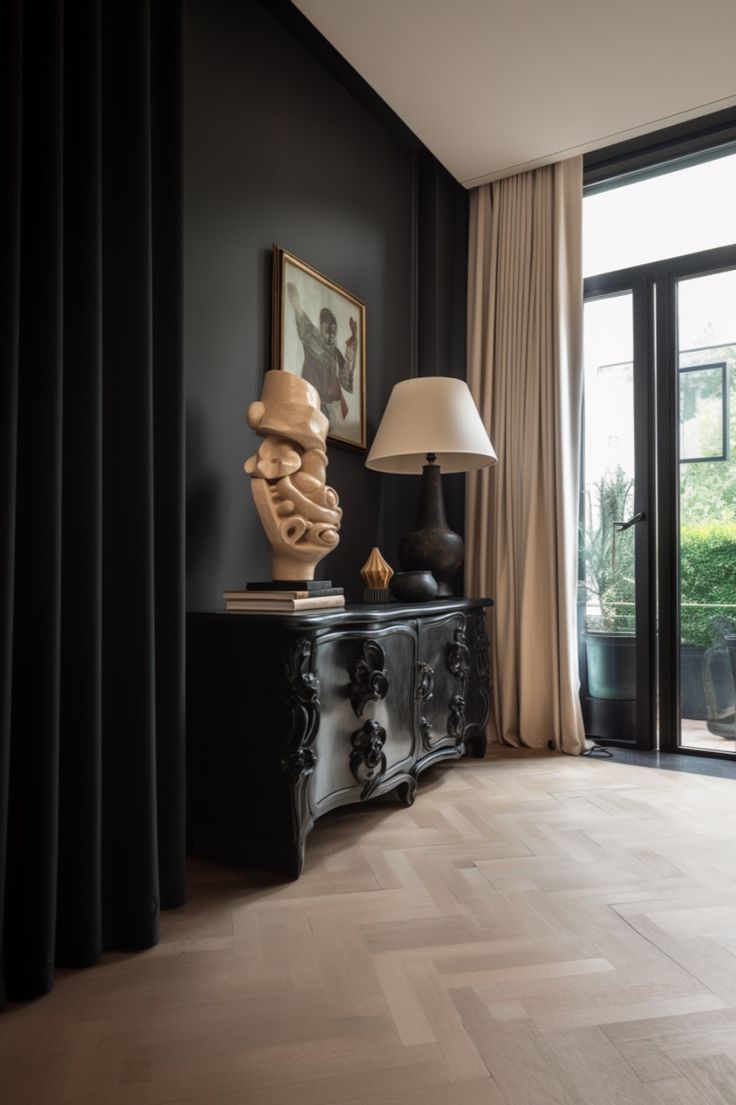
(708, 581)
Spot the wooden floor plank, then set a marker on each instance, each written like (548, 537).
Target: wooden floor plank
(535, 930)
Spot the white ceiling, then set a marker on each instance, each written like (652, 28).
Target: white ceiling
(493, 87)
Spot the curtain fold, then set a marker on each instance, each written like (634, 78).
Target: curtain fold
(525, 308)
(10, 39)
(91, 746)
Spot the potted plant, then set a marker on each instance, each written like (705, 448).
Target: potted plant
(608, 589)
(708, 615)
(708, 610)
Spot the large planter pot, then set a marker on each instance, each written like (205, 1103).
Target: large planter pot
(611, 662)
(693, 703)
(722, 688)
(731, 646)
(707, 688)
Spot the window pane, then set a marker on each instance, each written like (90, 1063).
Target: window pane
(608, 588)
(706, 314)
(608, 464)
(703, 407)
(679, 212)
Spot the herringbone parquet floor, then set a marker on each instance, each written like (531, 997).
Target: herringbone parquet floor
(534, 930)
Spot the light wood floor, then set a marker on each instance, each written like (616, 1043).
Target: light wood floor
(536, 929)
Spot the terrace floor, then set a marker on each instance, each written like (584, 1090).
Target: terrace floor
(696, 735)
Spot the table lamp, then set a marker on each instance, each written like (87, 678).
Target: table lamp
(431, 425)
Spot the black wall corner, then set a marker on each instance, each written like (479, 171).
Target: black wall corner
(280, 147)
(442, 210)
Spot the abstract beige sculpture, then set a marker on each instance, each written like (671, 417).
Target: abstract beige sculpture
(299, 513)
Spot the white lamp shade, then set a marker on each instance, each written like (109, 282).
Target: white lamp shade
(430, 414)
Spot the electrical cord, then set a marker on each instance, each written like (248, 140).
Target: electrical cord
(598, 750)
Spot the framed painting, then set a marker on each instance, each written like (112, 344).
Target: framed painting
(319, 334)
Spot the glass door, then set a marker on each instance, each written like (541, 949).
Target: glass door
(660, 425)
(705, 308)
(615, 607)
(657, 602)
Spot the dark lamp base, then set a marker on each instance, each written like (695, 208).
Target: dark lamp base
(432, 545)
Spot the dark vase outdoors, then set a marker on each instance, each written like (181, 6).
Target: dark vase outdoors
(719, 678)
(707, 687)
(692, 682)
(731, 646)
(611, 665)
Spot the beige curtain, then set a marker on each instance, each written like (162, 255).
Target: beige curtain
(525, 309)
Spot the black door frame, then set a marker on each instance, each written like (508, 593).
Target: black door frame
(638, 286)
(656, 399)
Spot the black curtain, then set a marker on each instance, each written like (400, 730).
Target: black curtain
(91, 482)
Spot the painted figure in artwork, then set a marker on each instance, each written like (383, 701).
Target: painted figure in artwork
(299, 512)
(325, 367)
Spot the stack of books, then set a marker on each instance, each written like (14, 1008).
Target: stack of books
(267, 599)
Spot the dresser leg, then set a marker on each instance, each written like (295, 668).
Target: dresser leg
(478, 746)
(296, 862)
(407, 792)
(296, 859)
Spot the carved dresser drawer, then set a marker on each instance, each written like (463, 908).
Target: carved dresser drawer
(289, 716)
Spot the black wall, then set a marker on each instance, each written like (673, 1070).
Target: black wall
(277, 150)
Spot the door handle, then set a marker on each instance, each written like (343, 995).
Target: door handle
(621, 526)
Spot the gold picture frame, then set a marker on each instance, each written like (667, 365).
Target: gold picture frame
(319, 333)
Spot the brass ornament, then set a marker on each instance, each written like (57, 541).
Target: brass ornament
(376, 572)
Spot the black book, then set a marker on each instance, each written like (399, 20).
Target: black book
(292, 586)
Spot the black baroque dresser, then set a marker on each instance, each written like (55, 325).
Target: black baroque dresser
(289, 716)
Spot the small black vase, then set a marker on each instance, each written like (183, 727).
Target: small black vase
(413, 586)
